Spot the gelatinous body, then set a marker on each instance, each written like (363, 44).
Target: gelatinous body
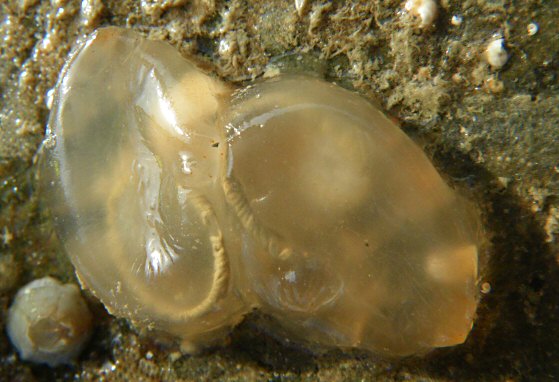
(134, 168)
(357, 241)
(183, 206)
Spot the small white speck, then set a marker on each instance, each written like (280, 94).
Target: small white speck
(426, 10)
(90, 12)
(7, 236)
(61, 13)
(224, 47)
(301, 6)
(456, 20)
(24, 78)
(186, 163)
(46, 43)
(108, 367)
(496, 53)
(533, 28)
(290, 276)
(49, 98)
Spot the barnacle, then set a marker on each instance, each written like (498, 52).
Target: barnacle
(184, 204)
(496, 54)
(49, 322)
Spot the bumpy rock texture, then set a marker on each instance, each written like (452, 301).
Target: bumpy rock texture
(491, 133)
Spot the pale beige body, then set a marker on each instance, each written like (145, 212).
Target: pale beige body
(183, 207)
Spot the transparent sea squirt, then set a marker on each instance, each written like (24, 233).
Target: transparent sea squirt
(183, 205)
(133, 168)
(356, 241)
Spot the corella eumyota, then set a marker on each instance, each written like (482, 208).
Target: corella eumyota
(184, 204)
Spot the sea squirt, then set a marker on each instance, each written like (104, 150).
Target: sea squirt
(133, 176)
(184, 204)
(354, 238)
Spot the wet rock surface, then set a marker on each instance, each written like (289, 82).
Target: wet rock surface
(492, 133)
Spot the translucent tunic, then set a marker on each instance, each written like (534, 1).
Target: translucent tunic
(184, 206)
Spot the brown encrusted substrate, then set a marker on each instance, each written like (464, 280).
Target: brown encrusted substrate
(500, 147)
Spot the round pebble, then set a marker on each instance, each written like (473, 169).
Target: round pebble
(49, 322)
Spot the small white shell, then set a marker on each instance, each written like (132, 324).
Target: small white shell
(49, 322)
(457, 20)
(532, 28)
(426, 10)
(496, 54)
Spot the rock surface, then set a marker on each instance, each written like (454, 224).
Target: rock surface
(491, 133)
